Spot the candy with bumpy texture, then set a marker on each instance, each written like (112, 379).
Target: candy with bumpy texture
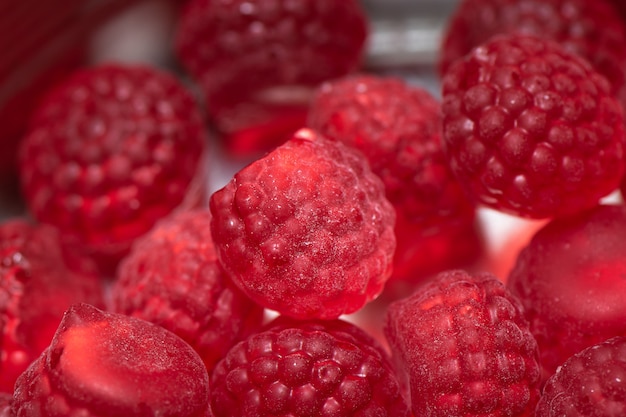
(257, 61)
(172, 278)
(467, 348)
(307, 369)
(531, 129)
(397, 127)
(589, 28)
(592, 383)
(110, 151)
(307, 229)
(570, 279)
(110, 365)
(37, 285)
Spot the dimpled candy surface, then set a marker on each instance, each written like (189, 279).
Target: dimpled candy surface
(570, 279)
(592, 383)
(103, 364)
(37, 285)
(467, 348)
(592, 29)
(172, 278)
(397, 127)
(307, 229)
(109, 151)
(307, 369)
(531, 129)
(239, 51)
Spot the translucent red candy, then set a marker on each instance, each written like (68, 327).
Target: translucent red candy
(397, 127)
(315, 229)
(532, 129)
(570, 280)
(466, 347)
(592, 383)
(257, 61)
(172, 278)
(37, 285)
(307, 229)
(591, 29)
(307, 369)
(109, 365)
(110, 150)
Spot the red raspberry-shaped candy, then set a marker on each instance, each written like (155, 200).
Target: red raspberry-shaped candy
(467, 348)
(172, 278)
(257, 61)
(591, 29)
(306, 230)
(110, 365)
(570, 279)
(397, 127)
(37, 285)
(307, 369)
(110, 151)
(592, 383)
(531, 129)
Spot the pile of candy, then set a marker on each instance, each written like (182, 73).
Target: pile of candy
(342, 272)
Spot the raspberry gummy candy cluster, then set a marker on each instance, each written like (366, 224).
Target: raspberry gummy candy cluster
(343, 267)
